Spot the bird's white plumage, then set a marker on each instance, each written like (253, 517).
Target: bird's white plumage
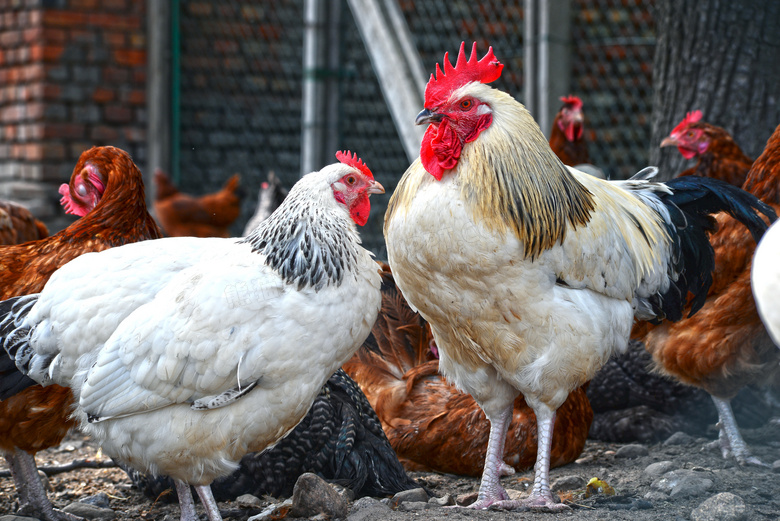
(144, 331)
(765, 280)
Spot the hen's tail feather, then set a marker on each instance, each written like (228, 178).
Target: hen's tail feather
(698, 198)
(16, 357)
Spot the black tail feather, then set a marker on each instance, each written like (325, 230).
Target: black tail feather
(14, 352)
(698, 198)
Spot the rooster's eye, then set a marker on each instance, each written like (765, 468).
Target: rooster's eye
(465, 104)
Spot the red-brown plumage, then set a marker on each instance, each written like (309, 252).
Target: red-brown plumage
(38, 417)
(18, 225)
(430, 424)
(183, 215)
(724, 346)
(718, 154)
(567, 136)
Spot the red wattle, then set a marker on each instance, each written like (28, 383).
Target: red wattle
(687, 154)
(360, 210)
(440, 150)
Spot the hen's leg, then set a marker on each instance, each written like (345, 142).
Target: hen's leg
(186, 503)
(207, 498)
(33, 499)
(730, 440)
(490, 491)
(541, 497)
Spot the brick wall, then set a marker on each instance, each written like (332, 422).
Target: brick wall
(72, 75)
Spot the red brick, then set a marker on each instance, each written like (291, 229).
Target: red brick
(103, 95)
(135, 97)
(9, 132)
(10, 38)
(137, 41)
(40, 151)
(83, 5)
(114, 22)
(118, 114)
(63, 131)
(57, 18)
(130, 57)
(139, 76)
(32, 35)
(115, 75)
(135, 135)
(34, 72)
(17, 151)
(51, 91)
(35, 110)
(115, 5)
(104, 134)
(115, 39)
(51, 35)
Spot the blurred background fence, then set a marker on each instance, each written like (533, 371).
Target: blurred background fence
(237, 81)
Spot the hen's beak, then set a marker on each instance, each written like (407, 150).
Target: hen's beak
(426, 116)
(375, 188)
(668, 142)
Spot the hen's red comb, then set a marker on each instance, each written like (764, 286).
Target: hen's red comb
(574, 101)
(441, 85)
(354, 161)
(691, 117)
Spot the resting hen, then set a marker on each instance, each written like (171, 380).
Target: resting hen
(431, 425)
(184, 215)
(567, 138)
(725, 346)
(719, 156)
(529, 272)
(107, 190)
(340, 439)
(184, 354)
(18, 225)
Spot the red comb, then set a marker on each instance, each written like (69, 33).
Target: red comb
(354, 161)
(575, 101)
(441, 85)
(691, 117)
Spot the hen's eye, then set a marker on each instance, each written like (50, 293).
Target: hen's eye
(465, 104)
(351, 180)
(81, 190)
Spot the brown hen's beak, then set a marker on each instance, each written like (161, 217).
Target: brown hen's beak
(375, 188)
(426, 116)
(668, 142)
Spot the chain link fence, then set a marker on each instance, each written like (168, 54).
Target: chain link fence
(241, 80)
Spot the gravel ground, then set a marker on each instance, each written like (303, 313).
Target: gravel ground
(662, 481)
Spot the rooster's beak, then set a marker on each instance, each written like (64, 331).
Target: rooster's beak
(668, 142)
(375, 188)
(426, 116)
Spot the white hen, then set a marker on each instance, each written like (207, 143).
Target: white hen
(765, 279)
(184, 354)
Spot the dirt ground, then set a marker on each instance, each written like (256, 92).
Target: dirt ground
(637, 497)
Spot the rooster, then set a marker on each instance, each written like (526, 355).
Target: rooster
(183, 354)
(765, 279)
(106, 190)
(529, 272)
(182, 215)
(17, 225)
(719, 156)
(430, 424)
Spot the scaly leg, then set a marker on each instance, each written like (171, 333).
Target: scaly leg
(186, 503)
(207, 498)
(541, 497)
(490, 491)
(33, 499)
(729, 439)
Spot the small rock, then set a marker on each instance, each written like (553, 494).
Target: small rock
(248, 501)
(656, 495)
(12, 517)
(366, 509)
(99, 500)
(659, 468)
(88, 511)
(682, 483)
(678, 438)
(568, 483)
(631, 451)
(412, 506)
(721, 507)
(45, 482)
(776, 466)
(409, 496)
(444, 501)
(585, 459)
(466, 499)
(312, 496)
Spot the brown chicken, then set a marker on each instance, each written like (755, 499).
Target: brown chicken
(431, 425)
(567, 135)
(718, 154)
(106, 189)
(724, 346)
(17, 225)
(183, 215)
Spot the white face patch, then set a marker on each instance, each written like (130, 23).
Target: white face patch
(484, 109)
(339, 186)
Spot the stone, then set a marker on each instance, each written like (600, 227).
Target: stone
(367, 509)
(99, 500)
(631, 451)
(721, 507)
(312, 496)
(88, 511)
(409, 496)
(413, 506)
(248, 501)
(682, 483)
(678, 438)
(568, 483)
(659, 468)
(445, 501)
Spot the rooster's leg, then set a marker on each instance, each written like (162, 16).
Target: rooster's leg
(207, 498)
(490, 491)
(730, 440)
(541, 497)
(33, 499)
(186, 503)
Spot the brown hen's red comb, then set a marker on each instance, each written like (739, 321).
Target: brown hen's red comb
(691, 117)
(575, 101)
(441, 85)
(353, 161)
